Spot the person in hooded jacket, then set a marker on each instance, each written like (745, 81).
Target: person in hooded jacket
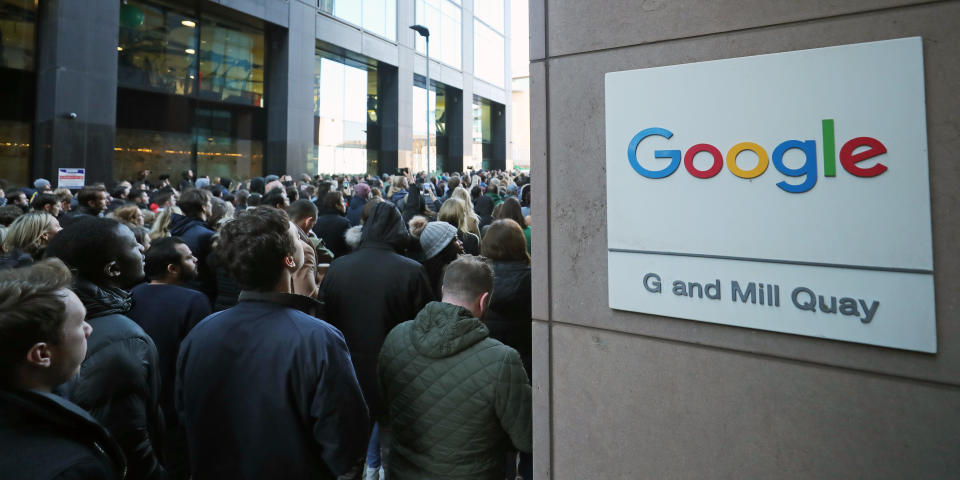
(119, 380)
(331, 224)
(191, 227)
(43, 339)
(360, 194)
(372, 290)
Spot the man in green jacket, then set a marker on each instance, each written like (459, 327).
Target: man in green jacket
(457, 399)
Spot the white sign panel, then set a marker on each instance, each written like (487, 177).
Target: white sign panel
(798, 179)
(70, 177)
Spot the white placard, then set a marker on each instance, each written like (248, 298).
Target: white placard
(808, 169)
(70, 177)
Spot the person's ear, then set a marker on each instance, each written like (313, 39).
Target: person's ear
(290, 262)
(173, 269)
(112, 269)
(484, 302)
(39, 355)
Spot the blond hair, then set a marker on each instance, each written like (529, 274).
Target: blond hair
(27, 233)
(473, 221)
(161, 226)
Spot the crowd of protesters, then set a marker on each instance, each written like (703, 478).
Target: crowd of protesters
(314, 327)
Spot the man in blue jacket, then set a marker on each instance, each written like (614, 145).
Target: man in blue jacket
(265, 389)
(192, 228)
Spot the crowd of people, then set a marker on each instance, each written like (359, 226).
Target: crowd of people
(314, 327)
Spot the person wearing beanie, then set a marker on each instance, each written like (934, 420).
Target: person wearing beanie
(202, 182)
(440, 246)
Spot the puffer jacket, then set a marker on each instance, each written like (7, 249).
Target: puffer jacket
(119, 380)
(457, 399)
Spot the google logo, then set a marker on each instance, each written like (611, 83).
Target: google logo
(869, 147)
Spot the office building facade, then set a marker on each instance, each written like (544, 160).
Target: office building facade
(243, 88)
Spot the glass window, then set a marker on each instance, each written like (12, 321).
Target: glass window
(18, 97)
(18, 45)
(482, 135)
(443, 18)
(421, 122)
(488, 54)
(491, 12)
(231, 63)
(345, 108)
(376, 16)
(157, 48)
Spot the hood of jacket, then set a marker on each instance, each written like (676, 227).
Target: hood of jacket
(483, 206)
(101, 301)
(442, 329)
(179, 224)
(414, 204)
(385, 226)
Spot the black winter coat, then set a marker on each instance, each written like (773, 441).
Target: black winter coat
(510, 314)
(330, 226)
(119, 380)
(372, 290)
(355, 210)
(43, 436)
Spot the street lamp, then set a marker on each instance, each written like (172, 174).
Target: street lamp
(425, 33)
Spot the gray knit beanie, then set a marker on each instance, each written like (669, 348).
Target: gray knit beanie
(435, 237)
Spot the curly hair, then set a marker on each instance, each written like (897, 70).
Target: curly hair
(253, 246)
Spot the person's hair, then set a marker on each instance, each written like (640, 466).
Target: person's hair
(273, 198)
(127, 214)
(293, 194)
(467, 277)
(254, 199)
(193, 200)
(31, 311)
(148, 218)
(510, 208)
(453, 183)
(87, 245)
(220, 211)
(301, 209)
(42, 200)
(252, 247)
(376, 192)
(9, 213)
(25, 232)
(504, 241)
(454, 212)
(161, 225)
(89, 193)
(162, 197)
(135, 194)
(476, 192)
(63, 194)
(332, 199)
(141, 234)
(161, 254)
(120, 191)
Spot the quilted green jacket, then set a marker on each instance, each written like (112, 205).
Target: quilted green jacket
(457, 399)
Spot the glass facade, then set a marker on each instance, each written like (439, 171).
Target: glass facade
(488, 54)
(346, 114)
(190, 93)
(18, 41)
(435, 126)
(443, 18)
(482, 134)
(375, 16)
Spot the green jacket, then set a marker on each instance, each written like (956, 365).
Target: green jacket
(457, 399)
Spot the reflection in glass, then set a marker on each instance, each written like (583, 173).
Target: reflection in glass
(443, 18)
(18, 20)
(488, 54)
(231, 63)
(15, 152)
(377, 16)
(420, 124)
(490, 12)
(345, 95)
(152, 51)
(482, 134)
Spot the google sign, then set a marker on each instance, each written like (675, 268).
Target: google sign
(849, 158)
(786, 192)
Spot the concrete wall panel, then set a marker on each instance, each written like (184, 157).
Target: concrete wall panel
(578, 26)
(578, 228)
(635, 407)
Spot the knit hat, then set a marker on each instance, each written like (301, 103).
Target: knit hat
(202, 182)
(40, 183)
(361, 190)
(435, 237)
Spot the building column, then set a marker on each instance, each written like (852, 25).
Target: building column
(76, 88)
(455, 131)
(289, 94)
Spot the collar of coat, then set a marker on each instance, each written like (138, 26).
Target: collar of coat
(297, 302)
(443, 329)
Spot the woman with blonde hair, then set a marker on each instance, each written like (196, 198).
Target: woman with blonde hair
(129, 214)
(454, 211)
(30, 233)
(161, 226)
(473, 220)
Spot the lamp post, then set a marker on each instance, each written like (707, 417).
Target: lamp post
(425, 33)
